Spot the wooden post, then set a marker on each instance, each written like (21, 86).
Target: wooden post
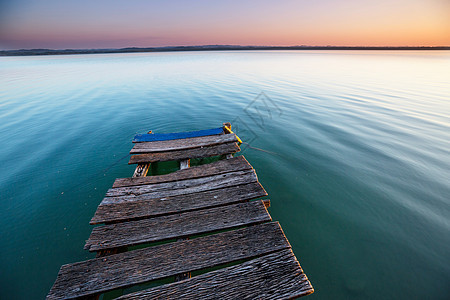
(142, 169)
(185, 163)
(227, 130)
(226, 127)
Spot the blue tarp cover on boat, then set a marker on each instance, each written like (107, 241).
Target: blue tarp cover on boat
(174, 136)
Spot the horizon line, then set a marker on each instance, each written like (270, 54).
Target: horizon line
(131, 49)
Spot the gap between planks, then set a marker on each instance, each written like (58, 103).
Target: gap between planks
(177, 225)
(219, 167)
(145, 192)
(273, 276)
(138, 266)
(185, 154)
(120, 212)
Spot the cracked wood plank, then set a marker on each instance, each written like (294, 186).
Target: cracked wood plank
(126, 269)
(183, 144)
(189, 186)
(215, 168)
(274, 276)
(118, 212)
(177, 225)
(185, 154)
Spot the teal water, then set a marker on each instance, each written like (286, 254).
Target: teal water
(357, 168)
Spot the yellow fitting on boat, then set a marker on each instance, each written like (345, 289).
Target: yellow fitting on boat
(229, 131)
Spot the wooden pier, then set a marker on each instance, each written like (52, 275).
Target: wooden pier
(201, 218)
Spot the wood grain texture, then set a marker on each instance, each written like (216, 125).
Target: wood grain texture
(182, 144)
(138, 266)
(189, 186)
(215, 168)
(185, 154)
(175, 185)
(176, 226)
(129, 210)
(274, 276)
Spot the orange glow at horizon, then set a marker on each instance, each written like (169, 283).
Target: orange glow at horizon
(246, 22)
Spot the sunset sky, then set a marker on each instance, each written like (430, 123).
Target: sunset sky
(60, 24)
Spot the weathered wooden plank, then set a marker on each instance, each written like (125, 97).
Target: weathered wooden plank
(181, 144)
(273, 276)
(189, 186)
(219, 167)
(174, 185)
(185, 154)
(176, 135)
(176, 226)
(138, 266)
(176, 204)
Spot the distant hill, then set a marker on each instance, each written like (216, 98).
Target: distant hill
(24, 52)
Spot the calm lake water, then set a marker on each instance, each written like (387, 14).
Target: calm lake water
(357, 161)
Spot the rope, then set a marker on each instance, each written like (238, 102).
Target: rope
(259, 149)
(95, 176)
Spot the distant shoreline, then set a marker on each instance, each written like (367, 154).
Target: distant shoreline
(28, 52)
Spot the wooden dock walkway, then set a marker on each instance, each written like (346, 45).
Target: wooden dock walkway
(200, 218)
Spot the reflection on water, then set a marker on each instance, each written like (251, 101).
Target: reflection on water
(356, 163)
